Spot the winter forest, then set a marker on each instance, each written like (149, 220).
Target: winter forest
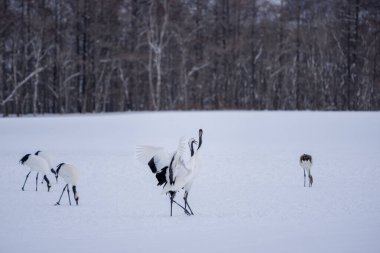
(70, 56)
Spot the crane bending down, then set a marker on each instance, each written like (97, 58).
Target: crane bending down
(38, 164)
(306, 162)
(70, 175)
(166, 166)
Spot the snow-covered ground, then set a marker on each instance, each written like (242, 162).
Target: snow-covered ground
(249, 196)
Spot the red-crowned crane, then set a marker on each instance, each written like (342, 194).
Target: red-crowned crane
(306, 162)
(38, 164)
(70, 175)
(165, 166)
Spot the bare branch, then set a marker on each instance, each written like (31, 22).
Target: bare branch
(197, 68)
(10, 96)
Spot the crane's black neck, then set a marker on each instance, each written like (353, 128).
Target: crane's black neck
(37, 152)
(200, 138)
(192, 148)
(24, 159)
(47, 180)
(172, 181)
(59, 167)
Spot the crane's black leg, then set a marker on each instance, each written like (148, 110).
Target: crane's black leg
(187, 203)
(172, 195)
(185, 198)
(36, 181)
(191, 211)
(75, 194)
(184, 209)
(310, 180)
(304, 178)
(64, 188)
(171, 207)
(25, 180)
(68, 193)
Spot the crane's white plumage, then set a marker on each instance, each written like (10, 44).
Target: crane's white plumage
(193, 168)
(170, 168)
(37, 164)
(70, 175)
(193, 165)
(166, 166)
(159, 159)
(306, 162)
(306, 165)
(47, 157)
(182, 173)
(162, 158)
(145, 153)
(186, 172)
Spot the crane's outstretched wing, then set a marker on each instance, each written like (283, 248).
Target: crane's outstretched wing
(155, 157)
(144, 153)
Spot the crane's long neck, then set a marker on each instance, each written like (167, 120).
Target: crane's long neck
(24, 159)
(58, 168)
(200, 139)
(171, 174)
(192, 148)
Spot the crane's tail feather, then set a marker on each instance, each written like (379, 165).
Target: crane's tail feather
(161, 176)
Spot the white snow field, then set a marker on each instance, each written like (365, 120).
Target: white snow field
(249, 196)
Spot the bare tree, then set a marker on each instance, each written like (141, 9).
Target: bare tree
(94, 56)
(157, 40)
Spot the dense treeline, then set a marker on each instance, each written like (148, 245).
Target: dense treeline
(61, 56)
